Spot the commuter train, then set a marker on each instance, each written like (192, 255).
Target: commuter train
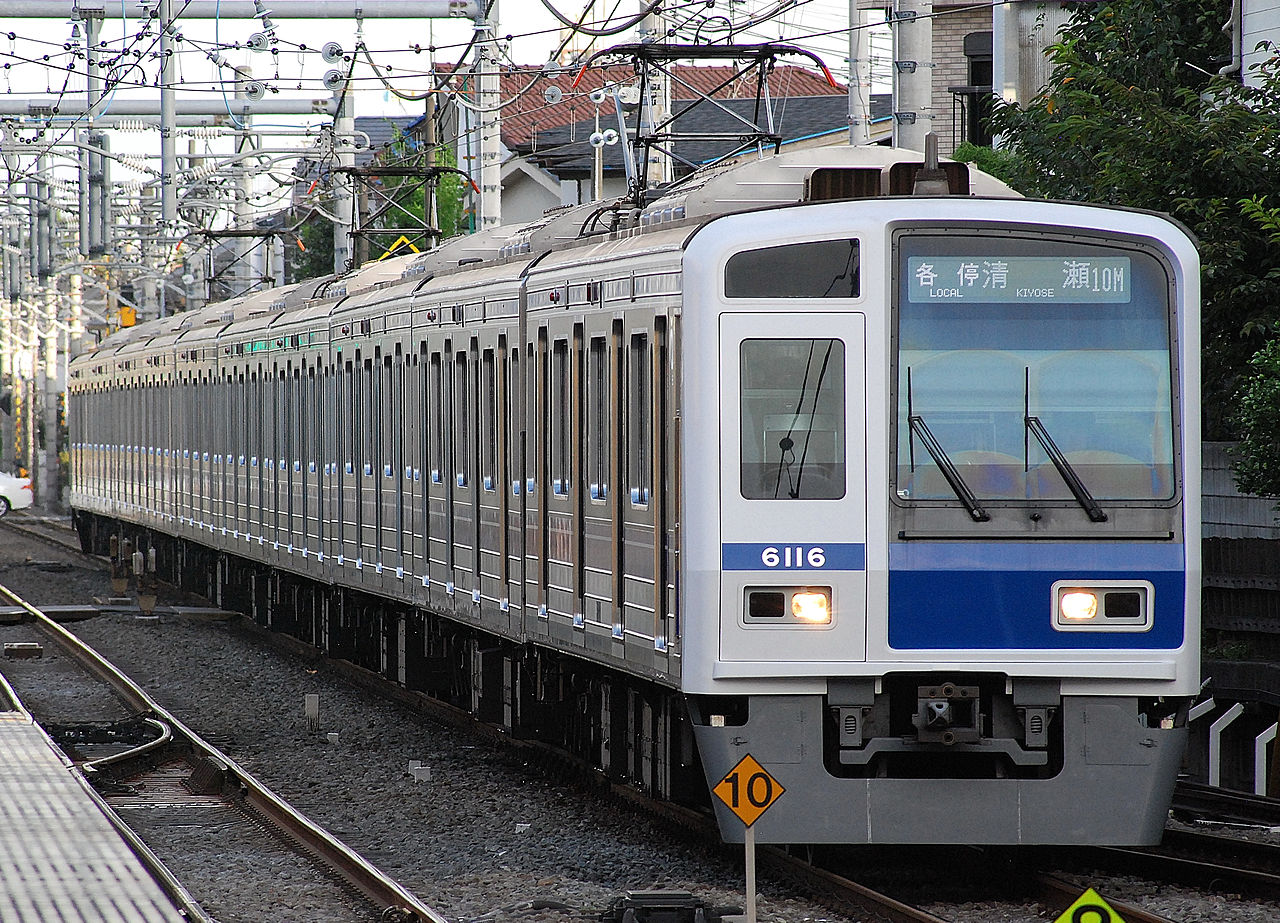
(896, 494)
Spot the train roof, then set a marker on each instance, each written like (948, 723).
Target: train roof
(747, 182)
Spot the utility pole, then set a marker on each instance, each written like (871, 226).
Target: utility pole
(859, 76)
(489, 97)
(241, 246)
(912, 72)
(168, 149)
(655, 109)
(344, 194)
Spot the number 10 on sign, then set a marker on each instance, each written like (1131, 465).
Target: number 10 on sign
(748, 790)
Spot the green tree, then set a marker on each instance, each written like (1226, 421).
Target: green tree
(1134, 114)
(314, 256)
(409, 197)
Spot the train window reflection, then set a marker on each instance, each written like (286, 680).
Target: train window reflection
(639, 433)
(1095, 375)
(792, 404)
(818, 269)
(559, 411)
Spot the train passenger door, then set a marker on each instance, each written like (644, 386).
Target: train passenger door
(793, 511)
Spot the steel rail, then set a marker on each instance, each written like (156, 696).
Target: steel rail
(361, 874)
(1226, 805)
(24, 526)
(1059, 894)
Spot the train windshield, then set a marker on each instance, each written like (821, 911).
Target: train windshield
(793, 443)
(1023, 364)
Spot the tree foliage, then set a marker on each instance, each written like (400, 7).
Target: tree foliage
(1135, 114)
(314, 257)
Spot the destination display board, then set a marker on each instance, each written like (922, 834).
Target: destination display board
(1007, 279)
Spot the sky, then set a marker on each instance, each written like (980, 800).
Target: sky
(43, 59)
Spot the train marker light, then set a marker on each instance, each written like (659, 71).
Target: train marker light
(812, 606)
(1078, 605)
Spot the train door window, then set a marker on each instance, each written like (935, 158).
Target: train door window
(462, 420)
(792, 419)
(599, 442)
(639, 432)
(489, 422)
(558, 410)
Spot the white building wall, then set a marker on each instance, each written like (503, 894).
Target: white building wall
(1261, 23)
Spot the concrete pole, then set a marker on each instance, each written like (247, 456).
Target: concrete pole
(859, 76)
(658, 106)
(51, 486)
(912, 73)
(245, 142)
(10, 261)
(168, 145)
(430, 205)
(344, 198)
(489, 97)
(277, 260)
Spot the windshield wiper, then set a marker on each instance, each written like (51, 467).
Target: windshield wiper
(1076, 486)
(948, 468)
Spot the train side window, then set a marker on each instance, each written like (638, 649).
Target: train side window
(598, 422)
(639, 432)
(515, 423)
(436, 403)
(818, 269)
(489, 422)
(792, 418)
(559, 409)
(462, 420)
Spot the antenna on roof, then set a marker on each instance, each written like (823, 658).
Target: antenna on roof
(660, 136)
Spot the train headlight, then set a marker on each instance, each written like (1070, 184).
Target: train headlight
(1078, 605)
(812, 606)
(1103, 605)
(776, 606)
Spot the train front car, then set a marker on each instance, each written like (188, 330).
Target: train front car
(941, 485)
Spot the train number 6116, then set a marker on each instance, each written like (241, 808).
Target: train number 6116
(794, 556)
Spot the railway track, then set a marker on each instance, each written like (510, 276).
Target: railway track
(1204, 802)
(49, 530)
(177, 767)
(829, 885)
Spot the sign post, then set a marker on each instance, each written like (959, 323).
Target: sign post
(748, 790)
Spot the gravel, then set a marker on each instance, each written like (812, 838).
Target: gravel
(478, 834)
(485, 837)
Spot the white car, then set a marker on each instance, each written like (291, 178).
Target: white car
(15, 493)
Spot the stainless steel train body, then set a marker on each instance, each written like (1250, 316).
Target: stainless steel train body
(900, 493)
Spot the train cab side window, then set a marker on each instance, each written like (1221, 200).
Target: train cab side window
(792, 406)
(819, 269)
(639, 432)
(599, 437)
(559, 409)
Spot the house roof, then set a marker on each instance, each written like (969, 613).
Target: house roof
(382, 131)
(531, 111)
(565, 150)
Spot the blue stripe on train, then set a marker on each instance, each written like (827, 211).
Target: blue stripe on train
(783, 556)
(959, 595)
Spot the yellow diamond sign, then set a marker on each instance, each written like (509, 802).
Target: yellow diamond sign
(749, 790)
(1089, 908)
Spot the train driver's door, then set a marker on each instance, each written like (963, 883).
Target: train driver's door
(793, 491)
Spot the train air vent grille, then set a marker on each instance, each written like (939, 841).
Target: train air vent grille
(826, 184)
(902, 177)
